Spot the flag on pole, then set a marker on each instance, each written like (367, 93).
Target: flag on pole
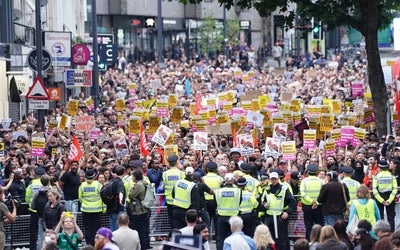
(75, 152)
(144, 149)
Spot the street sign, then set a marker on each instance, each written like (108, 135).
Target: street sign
(38, 104)
(108, 53)
(38, 91)
(78, 78)
(46, 60)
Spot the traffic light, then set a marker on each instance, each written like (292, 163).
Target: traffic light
(316, 31)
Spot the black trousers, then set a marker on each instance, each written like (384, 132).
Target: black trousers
(141, 223)
(223, 229)
(179, 217)
(170, 210)
(91, 223)
(390, 213)
(282, 241)
(33, 233)
(311, 217)
(250, 222)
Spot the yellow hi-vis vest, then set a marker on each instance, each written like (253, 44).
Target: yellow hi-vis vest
(309, 189)
(384, 182)
(248, 202)
(213, 181)
(170, 177)
(228, 200)
(89, 196)
(30, 192)
(352, 186)
(252, 183)
(366, 212)
(183, 189)
(260, 197)
(276, 203)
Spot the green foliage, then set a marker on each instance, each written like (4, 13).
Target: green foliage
(210, 37)
(233, 31)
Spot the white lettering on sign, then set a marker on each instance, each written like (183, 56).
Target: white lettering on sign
(84, 123)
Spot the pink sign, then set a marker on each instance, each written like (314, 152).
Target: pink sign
(346, 135)
(162, 111)
(94, 134)
(309, 144)
(357, 89)
(37, 152)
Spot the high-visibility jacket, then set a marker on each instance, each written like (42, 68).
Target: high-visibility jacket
(30, 192)
(260, 199)
(276, 202)
(213, 181)
(183, 197)
(252, 183)
(384, 187)
(228, 201)
(89, 196)
(287, 185)
(129, 183)
(170, 177)
(248, 202)
(366, 212)
(352, 186)
(309, 189)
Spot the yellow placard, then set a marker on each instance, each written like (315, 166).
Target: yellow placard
(211, 102)
(177, 113)
(231, 96)
(228, 106)
(326, 109)
(201, 125)
(314, 109)
(336, 107)
(223, 96)
(205, 115)
(138, 104)
(309, 134)
(38, 142)
(147, 104)
(268, 131)
(326, 123)
(264, 100)
(330, 145)
(138, 113)
(285, 107)
(134, 125)
(359, 133)
(335, 134)
(222, 119)
(162, 104)
(63, 121)
(192, 108)
(235, 125)
(288, 147)
(120, 104)
(170, 150)
(172, 100)
(89, 101)
(185, 123)
(132, 86)
(246, 105)
(367, 95)
(73, 107)
(255, 105)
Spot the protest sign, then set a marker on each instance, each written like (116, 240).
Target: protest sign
(121, 147)
(162, 134)
(255, 118)
(64, 122)
(272, 147)
(170, 150)
(200, 140)
(246, 144)
(38, 145)
(280, 131)
(84, 123)
(162, 108)
(309, 138)
(134, 125)
(73, 107)
(288, 150)
(177, 113)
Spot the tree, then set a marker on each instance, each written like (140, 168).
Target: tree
(233, 31)
(366, 16)
(210, 38)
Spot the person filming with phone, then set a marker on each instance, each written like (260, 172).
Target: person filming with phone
(8, 217)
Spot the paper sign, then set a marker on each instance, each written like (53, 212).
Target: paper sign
(172, 100)
(329, 148)
(170, 150)
(255, 118)
(162, 108)
(73, 107)
(272, 147)
(64, 121)
(177, 113)
(246, 144)
(89, 103)
(121, 148)
(288, 150)
(38, 145)
(280, 131)
(84, 123)
(309, 138)
(120, 104)
(162, 135)
(200, 140)
(326, 123)
(134, 125)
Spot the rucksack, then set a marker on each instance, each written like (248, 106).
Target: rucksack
(40, 202)
(108, 192)
(149, 196)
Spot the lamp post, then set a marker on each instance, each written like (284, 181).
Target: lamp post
(159, 33)
(95, 80)
(39, 49)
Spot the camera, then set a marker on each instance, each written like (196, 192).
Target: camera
(12, 199)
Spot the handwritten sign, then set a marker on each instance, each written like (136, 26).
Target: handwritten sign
(84, 123)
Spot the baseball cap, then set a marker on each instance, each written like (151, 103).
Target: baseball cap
(274, 175)
(229, 177)
(189, 170)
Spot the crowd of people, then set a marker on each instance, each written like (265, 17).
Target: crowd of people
(184, 127)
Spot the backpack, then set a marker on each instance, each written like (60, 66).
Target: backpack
(149, 196)
(108, 192)
(40, 202)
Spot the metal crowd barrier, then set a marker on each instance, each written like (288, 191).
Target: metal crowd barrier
(18, 231)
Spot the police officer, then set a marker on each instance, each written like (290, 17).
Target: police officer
(228, 200)
(247, 207)
(384, 189)
(213, 181)
(186, 196)
(252, 182)
(34, 218)
(279, 204)
(170, 177)
(282, 181)
(352, 185)
(264, 181)
(91, 205)
(309, 191)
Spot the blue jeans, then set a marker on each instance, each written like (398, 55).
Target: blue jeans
(72, 206)
(113, 222)
(40, 233)
(332, 218)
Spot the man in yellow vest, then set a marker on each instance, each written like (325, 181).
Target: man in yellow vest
(91, 205)
(309, 191)
(384, 189)
(247, 208)
(228, 200)
(186, 196)
(279, 204)
(170, 177)
(352, 185)
(34, 218)
(260, 195)
(213, 181)
(252, 182)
